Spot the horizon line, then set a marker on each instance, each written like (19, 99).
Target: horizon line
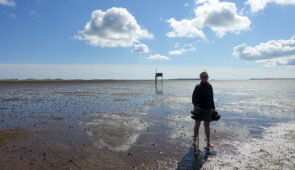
(60, 80)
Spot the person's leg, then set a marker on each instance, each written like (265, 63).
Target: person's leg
(207, 132)
(196, 130)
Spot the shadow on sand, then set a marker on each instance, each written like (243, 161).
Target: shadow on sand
(192, 161)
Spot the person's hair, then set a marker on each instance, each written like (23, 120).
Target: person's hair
(203, 73)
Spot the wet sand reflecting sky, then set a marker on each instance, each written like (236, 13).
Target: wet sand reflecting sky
(133, 125)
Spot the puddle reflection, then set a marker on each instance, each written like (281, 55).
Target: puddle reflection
(159, 88)
(115, 131)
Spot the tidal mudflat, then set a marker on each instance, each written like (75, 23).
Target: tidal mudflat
(135, 125)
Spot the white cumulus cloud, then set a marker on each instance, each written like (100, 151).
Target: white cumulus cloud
(115, 27)
(177, 52)
(158, 57)
(257, 5)
(140, 48)
(181, 51)
(7, 2)
(185, 28)
(220, 17)
(271, 53)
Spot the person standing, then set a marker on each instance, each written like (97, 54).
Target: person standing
(203, 102)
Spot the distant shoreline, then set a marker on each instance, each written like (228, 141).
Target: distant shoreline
(101, 80)
(83, 80)
(60, 80)
(272, 79)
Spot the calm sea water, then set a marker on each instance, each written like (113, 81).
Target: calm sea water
(135, 124)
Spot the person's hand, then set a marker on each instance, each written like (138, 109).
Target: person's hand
(196, 108)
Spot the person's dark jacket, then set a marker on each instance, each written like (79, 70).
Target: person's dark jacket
(203, 96)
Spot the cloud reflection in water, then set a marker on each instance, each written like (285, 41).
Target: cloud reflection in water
(115, 131)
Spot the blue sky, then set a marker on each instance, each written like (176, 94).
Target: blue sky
(128, 39)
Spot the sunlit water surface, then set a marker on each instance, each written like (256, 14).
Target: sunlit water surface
(133, 124)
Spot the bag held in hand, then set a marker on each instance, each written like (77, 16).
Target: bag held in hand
(196, 115)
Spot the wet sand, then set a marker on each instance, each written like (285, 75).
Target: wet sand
(133, 125)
